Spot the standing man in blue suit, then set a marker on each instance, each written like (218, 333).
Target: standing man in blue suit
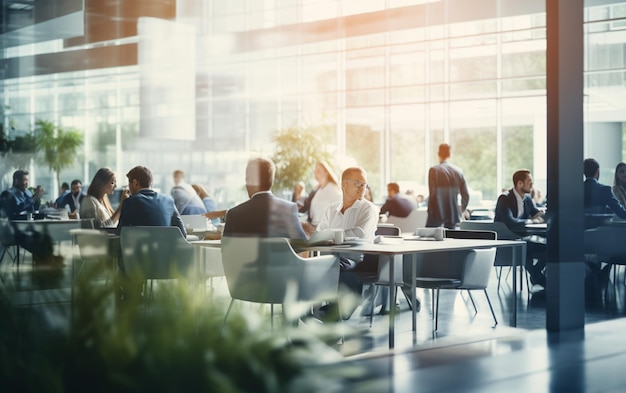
(516, 208)
(263, 214)
(599, 198)
(445, 183)
(146, 207)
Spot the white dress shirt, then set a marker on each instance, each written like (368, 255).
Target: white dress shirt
(520, 204)
(359, 220)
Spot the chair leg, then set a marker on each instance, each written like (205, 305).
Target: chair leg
(373, 294)
(493, 314)
(432, 304)
(473, 303)
(230, 305)
(499, 274)
(437, 312)
(407, 297)
(272, 315)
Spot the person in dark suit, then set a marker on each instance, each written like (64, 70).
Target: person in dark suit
(397, 205)
(445, 183)
(73, 199)
(599, 198)
(263, 214)
(146, 207)
(516, 208)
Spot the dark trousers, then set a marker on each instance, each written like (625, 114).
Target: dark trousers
(536, 251)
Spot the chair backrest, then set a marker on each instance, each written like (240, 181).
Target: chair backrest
(260, 270)
(156, 252)
(467, 234)
(7, 233)
(93, 244)
(606, 242)
(417, 219)
(195, 221)
(477, 268)
(504, 233)
(452, 264)
(388, 230)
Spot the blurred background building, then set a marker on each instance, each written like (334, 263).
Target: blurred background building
(200, 85)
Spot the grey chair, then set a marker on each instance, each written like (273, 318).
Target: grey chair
(473, 274)
(606, 244)
(268, 271)
(7, 238)
(504, 255)
(156, 253)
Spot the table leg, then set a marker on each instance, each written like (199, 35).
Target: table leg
(392, 301)
(413, 296)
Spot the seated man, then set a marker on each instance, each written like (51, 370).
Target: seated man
(65, 189)
(516, 208)
(599, 198)
(146, 207)
(185, 197)
(358, 218)
(397, 205)
(19, 204)
(73, 199)
(263, 214)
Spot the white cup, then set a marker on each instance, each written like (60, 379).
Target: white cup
(338, 236)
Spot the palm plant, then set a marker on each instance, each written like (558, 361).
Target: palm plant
(58, 145)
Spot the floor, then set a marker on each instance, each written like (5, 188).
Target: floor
(467, 353)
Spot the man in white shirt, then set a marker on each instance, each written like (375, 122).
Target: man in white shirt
(357, 217)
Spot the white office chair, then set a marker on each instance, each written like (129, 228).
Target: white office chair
(94, 246)
(156, 253)
(264, 270)
(417, 219)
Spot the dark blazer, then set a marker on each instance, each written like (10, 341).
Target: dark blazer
(264, 215)
(506, 210)
(150, 208)
(600, 199)
(445, 183)
(398, 206)
(68, 200)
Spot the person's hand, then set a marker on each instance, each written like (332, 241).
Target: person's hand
(73, 215)
(125, 194)
(308, 228)
(215, 214)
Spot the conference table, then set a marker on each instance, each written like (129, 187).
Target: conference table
(415, 246)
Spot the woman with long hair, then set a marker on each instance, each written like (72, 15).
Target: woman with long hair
(323, 195)
(96, 204)
(619, 183)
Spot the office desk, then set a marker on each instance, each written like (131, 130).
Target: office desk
(415, 247)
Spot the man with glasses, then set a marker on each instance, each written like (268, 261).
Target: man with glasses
(357, 217)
